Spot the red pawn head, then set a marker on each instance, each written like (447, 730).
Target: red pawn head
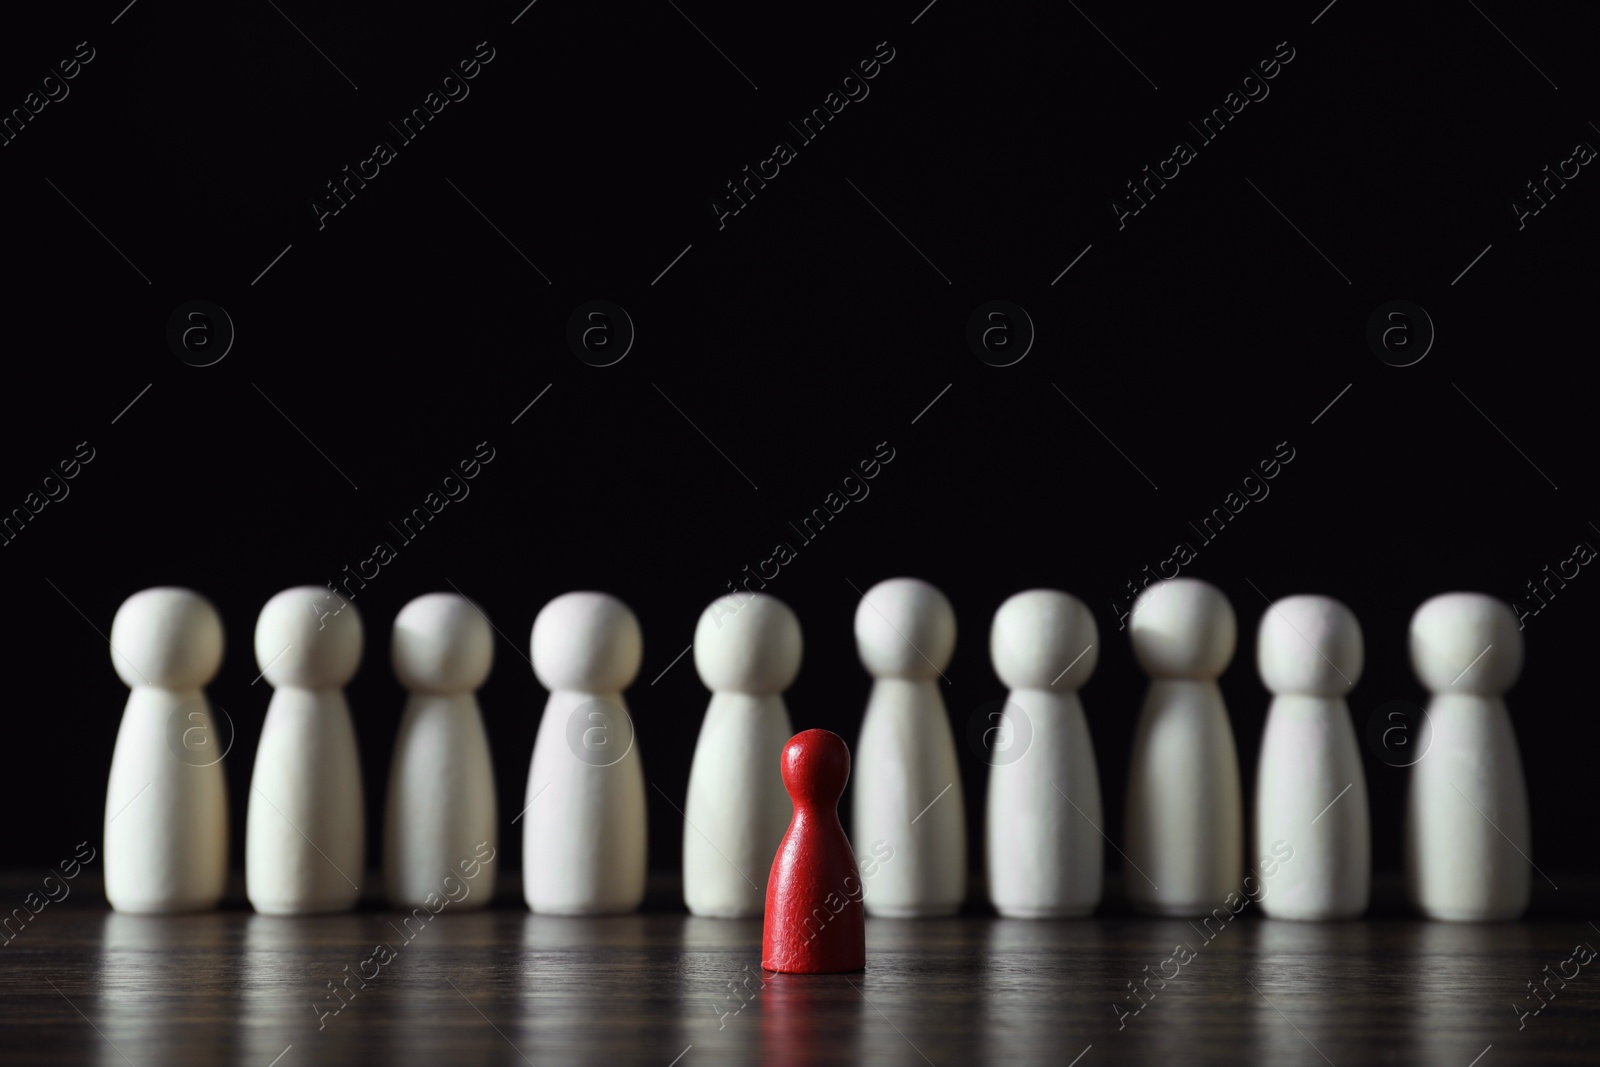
(814, 922)
(816, 766)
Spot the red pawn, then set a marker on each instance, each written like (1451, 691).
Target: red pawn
(814, 921)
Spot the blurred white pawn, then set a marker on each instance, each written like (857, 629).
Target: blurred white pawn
(583, 830)
(1185, 819)
(1043, 851)
(747, 650)
(441, 803)
(305, 824)
(1311, 792)
(166, 830)
(907, 784)
(1467, 837)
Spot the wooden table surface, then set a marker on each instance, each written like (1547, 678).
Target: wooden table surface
(81, 984)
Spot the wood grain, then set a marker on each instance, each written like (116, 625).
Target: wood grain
(81, 984)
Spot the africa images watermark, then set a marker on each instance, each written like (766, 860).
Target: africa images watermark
(1582, 553)
(452, 88)
(1210, 127)
(1582, 154)
(384, 954)
(1578, 959)
(37, 99)
(851, 487)
(70, 869)
(455, 489)
(812, 125)
(1185, 954)
(55, 490)
(1183, 553)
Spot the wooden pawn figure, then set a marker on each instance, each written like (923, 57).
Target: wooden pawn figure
(441, 803)
(305, 825)
(1311, 792)
(1467, 832)
(583, 831)
(813, 922)
(1044, 853)
(166, 829)
(1185, 818)
(747, 650)
(908, 787)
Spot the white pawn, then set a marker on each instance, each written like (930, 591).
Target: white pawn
(583, 834)
(1043, 852)
(1467, 833)
(441, 803)
(1185, 819)
(305, 825)
(166, 832)
(1311, 793)
(747, 650)
(908, 792)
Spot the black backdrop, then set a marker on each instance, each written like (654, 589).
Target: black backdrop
(777, 349)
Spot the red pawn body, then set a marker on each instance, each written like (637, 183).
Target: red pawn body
(814, 921)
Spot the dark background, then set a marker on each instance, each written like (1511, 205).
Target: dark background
(797, 338)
